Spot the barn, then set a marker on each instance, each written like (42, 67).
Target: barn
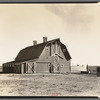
(47, 57)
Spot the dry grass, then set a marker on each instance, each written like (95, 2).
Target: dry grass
(49, 85)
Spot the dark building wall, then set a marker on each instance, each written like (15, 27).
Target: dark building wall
(93, 69)
(12, 68)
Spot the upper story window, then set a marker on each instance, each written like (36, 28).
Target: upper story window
(46, 48)
(64, 50)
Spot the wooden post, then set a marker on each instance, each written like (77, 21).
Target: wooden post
(34, 67)
(59, 47)
(69, 66)
(22, 69)
(50, 49)
(26, 67)
(56, 47)
(87, 68)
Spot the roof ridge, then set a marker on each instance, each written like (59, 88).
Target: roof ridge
(41, 43)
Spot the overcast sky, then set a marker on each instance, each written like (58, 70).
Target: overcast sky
(77, 26)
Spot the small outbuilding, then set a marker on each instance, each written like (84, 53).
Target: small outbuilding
(93, 69)
(47, 57)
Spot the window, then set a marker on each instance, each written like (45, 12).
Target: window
(62, 65)
(46, 48)
(64, 50)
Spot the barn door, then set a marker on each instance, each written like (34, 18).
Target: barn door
(55, 48)
(23, 68)
(51, 68)
(56, 64)
(30, 67)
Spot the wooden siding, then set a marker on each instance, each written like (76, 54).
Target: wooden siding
(62, 65)
(92, 69)
(42, 67)
(12, 68)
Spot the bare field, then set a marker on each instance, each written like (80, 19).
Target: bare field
(49, 85)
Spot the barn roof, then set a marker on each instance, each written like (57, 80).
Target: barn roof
(33, 52)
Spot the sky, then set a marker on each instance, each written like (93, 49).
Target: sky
(77, 26)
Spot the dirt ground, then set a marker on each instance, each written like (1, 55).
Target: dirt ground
(49, 85)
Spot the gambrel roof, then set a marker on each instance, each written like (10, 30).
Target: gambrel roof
(33, 52)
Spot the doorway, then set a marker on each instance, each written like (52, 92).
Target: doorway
(51, 68)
